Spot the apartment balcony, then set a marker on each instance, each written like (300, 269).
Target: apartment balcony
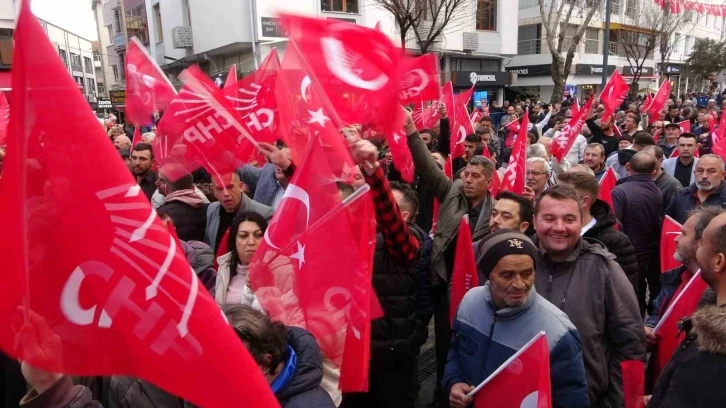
(119, 41)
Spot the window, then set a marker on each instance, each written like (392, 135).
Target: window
(110, 33)
(157, 23)
(96, 57)
(591, 41)
(116, 21)
(63, 56)
(137, 23)
(344, 6)
(101, 89)
(79, 81)
(689, 45)
(615, 4)
(91, 85)
(105, 1)
(524, 4)
(631, 9)
(115, 72)
(529, 39)
(88, 64)
(76, 62)
(486, 15)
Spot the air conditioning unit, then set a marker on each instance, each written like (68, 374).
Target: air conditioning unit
(181, 37)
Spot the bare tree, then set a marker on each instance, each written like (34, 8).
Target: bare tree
(557, 17)
(429, 20)
(655, 28)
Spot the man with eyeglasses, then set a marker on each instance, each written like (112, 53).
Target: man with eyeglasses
(670, 141)
(708, 189)
(538, 172)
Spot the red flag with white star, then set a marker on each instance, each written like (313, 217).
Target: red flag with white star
(86, 261)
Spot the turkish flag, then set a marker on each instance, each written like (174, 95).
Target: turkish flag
(660, 99)
(461, 126)
(514, 176)
(712, 130)
(420, 81)
(633, 383)
(562, 144)
(647, 102)
(607, 184)
(147, 87)
(613, 94)
(4, 117)
(448, 171)
(301, 282)
(253, 98)
(721, 127)
(87, 261)
(684, 302)
(671, 230)
(522, 382)
(137, 136)
(231, 80)
(356, 66)
(685, 126)
(495, 185)
(402, 159)
(201, 128)
(464, 275)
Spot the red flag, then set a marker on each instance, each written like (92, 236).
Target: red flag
(356, 66)
(110, 274)
(402, 159)
(685, 126)
(4, 116)
(684, 303)
(476, 114)
(253, 98)
(378, 26)
(231, 80)
(420, 81)
(575, 107)
(514, 176)
(562, 144)
(301, 282)
(522, 381)
(137, 136)
(201, 128)
(147, 88)
(712, 130)
(660, 98)
(721, 127)
(613, 94)
(647, 102)
(671, 230)
(633, 383)
(495, 185)
(513, 129)
(464, 275)
(462, 122)
(656, 136)
(607, 184)
(448, 171)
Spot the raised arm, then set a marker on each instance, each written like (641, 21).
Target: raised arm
(426, 167)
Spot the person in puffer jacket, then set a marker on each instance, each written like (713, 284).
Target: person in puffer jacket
(495, 320)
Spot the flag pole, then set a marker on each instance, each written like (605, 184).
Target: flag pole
(506, 364)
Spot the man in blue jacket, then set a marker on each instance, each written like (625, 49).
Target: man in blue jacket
(497, 319)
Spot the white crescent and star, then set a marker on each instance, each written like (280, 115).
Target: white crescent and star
(304, 85)
(336, 57)
(318, 117)
(296, 193)
(462, 134)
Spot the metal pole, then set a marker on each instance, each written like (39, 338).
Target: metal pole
(606, 43)
(253, 27)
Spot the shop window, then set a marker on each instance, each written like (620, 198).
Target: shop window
(486, 15)
(343, 6)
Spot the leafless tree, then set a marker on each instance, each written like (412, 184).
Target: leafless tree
(560, 18)
(655, 30)
(429, 20)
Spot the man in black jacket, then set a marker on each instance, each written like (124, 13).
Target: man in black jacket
(638, 203)
(603, 133)
(185, 208)
(709, 188)
(598, 223)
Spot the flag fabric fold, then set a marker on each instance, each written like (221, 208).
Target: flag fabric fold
(670, 231)
(514, 177)
(420, 82)
(86, 259)
(147, 88)
(607, 184)
(656, 106)
(231, 77)
(562, 144)
(633, 383)
(613, 94)
(464, 275)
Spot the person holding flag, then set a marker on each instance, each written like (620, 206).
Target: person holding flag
(495, 320)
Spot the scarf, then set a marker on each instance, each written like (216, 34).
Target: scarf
(188, 196)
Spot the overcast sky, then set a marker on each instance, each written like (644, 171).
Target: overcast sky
(75, 16)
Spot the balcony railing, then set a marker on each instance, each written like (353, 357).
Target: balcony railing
(527, 47)
(77, 68)
(119, 41)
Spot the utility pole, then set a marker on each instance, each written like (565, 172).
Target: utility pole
(606, 43)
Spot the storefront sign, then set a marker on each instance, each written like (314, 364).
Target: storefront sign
(272, 27)
(673, 69)
(645, 71)
(117, 98)
(532, 70)
(104, 104)
(589, 69)
(480, 79)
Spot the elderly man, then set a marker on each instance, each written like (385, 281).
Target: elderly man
(585, 282)
(537, 176)
(509, 301)
(669, 143)
(122, 142)
(707, 190)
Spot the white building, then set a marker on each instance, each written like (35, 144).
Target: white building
(77, 55)
(102, 57)
(219, 33)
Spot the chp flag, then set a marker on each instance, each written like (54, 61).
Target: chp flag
(563, 142)
(147, 88)
(86, 261)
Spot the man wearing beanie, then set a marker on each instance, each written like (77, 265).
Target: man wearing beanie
(583, 280)
(497, 319)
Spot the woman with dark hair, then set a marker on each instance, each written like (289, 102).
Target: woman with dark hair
(289, 357)
(232, 285)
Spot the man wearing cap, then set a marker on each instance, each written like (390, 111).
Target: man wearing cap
(670, 141)
(583, 280)
(495, 320)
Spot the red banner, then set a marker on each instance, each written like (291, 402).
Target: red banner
(147, 87)
(563, 142)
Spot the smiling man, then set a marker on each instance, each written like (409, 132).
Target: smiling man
(497, 319)
(584, 281)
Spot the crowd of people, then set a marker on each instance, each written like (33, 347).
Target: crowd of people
(557, 258)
